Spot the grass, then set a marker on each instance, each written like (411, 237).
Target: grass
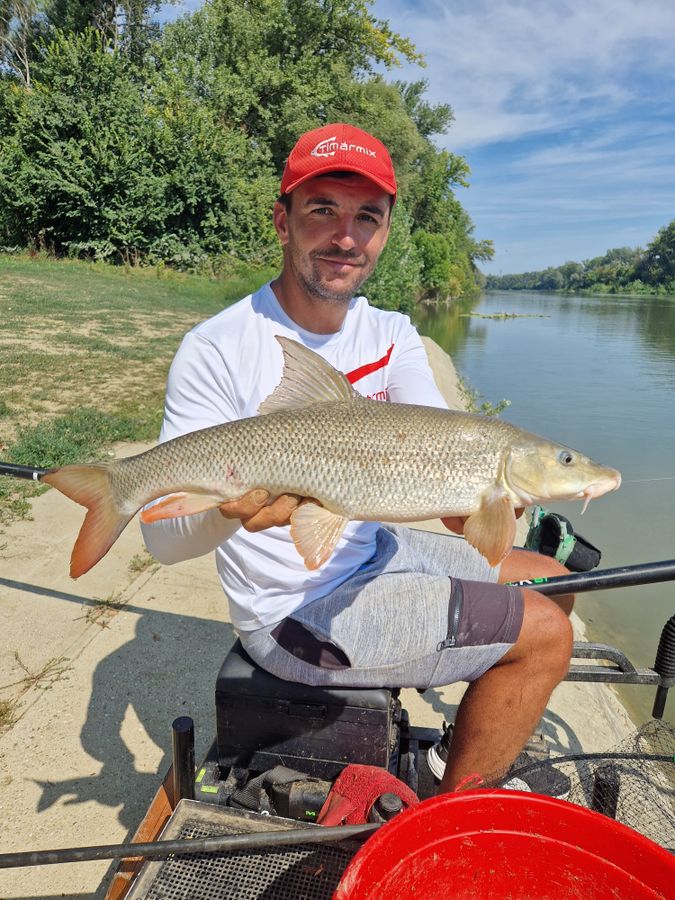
(85, 350)
(473, 402)
(141, 562)
(105, 610)
(53, 670)
(7, 714)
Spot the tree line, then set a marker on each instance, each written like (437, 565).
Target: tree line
(129, 142)
(622, 270)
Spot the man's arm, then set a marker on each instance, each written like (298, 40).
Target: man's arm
(411, 379)
(200, 393)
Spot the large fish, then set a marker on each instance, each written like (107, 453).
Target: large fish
(357, 458)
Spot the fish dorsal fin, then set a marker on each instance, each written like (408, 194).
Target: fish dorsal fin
(307, 378)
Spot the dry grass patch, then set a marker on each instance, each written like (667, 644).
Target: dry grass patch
(76, 335)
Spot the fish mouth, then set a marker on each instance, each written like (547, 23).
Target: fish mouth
(598, 488)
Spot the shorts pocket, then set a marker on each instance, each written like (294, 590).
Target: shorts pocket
(296, 639)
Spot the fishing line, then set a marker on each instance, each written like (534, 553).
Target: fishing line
(641, 480)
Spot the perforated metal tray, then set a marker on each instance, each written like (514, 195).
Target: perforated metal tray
(293, 872)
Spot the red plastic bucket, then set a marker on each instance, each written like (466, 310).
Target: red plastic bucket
(491, 845)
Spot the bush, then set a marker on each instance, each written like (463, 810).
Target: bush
(106, 162)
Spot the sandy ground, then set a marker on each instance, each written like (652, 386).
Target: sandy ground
(98, 684)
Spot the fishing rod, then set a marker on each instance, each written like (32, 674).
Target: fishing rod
(622, 576)
(161, 849)
(32, 473)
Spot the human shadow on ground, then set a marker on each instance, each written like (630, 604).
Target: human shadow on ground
(168, 669)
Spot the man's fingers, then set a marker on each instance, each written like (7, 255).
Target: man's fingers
(245, 506)
(277, 513)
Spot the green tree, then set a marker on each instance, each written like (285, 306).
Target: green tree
(275, 67)
(105, 163)
(657, 266)
(126, 25)
(428, 119)
(20, 29)
(130, 148)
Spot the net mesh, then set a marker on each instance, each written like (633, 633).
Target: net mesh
(633, 783)
(293, 872)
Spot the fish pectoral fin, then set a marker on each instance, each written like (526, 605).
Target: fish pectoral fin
(492, 529)
(315, 531)
(182, 504)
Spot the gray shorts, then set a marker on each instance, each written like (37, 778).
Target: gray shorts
(399, 621)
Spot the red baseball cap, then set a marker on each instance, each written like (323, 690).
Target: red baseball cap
(338, 148)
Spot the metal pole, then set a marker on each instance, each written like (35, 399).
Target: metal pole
(183, 743)
(606, 790)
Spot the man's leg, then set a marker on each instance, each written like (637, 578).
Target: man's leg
(501, 709)
(521, 565)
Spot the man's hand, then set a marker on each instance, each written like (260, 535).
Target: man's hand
(255, 515)
(456, 523)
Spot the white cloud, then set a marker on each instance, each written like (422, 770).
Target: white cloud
(508, 67)
(565, 110)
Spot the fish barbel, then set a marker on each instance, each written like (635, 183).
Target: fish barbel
(356, 458)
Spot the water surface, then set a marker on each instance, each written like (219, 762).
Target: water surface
(598, 374)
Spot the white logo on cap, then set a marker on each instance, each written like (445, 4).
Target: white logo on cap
(330, 146)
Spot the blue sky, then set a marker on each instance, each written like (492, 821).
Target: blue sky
(564, 110)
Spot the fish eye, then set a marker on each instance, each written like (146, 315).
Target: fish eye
(566, 457)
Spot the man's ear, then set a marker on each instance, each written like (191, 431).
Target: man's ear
(280, 218)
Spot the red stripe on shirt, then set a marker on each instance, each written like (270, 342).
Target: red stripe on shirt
(362, 371)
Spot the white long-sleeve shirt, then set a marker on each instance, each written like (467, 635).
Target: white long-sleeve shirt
(223, 370)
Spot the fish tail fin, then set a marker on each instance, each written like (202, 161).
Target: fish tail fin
(90, 486)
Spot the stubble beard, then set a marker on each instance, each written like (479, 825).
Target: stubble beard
(313, 283)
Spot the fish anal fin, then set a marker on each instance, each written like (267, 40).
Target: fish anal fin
(90, 486)
(307, 378)
(180, 504)
(315, 532)
(492, 529)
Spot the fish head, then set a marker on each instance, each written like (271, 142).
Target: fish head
(538, 470)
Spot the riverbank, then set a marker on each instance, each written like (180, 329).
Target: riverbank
(97, 670)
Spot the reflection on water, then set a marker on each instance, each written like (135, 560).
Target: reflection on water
(597, 374)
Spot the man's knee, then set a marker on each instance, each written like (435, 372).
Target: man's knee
(545, 640)
(522, 565)
(526, 565)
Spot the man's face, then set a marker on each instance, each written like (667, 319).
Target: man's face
(333, 234)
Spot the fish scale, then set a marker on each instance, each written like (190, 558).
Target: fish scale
(362, 459)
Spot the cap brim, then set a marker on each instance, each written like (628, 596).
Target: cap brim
(342, 167)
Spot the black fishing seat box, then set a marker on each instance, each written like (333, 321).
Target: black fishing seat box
(263, 721)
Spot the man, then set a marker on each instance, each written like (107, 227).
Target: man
(392, 606)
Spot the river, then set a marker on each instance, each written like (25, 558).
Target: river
(598, 374)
